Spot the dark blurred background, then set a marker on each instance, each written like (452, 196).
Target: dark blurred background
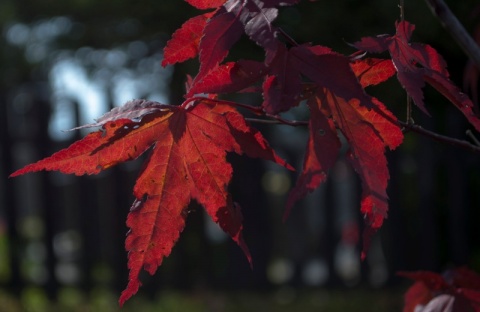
(64, 63)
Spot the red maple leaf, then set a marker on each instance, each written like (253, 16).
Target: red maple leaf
(211, 36)
(206, 4)
(185, 40)
(283, 88)
(330, 70)
(219, 35)
(230, 77)
(283, 85)
(188, 161)
(416, 64)
(454, 290)
(318, 159)
(367, 130)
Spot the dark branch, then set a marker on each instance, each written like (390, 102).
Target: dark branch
(402, 10)
(441, 138)
(475, 148)
(278, 121)
(472, 137)
(456, 29)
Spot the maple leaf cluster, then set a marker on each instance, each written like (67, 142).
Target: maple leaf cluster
(454, 290)
(188, 143)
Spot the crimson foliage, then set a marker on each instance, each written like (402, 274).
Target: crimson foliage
(188, 143)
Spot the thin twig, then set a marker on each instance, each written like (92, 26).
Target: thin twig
(409, 126)
(441, 138)
(195, 100)
(409, 110)
(294, 123)
(263, 121)
(402, 10)
(456, 29)
(288, 37)
(409, 99)
(472, 137)
(278, 121)
(275, 119)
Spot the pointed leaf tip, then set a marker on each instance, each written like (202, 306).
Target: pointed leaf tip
(97, 151)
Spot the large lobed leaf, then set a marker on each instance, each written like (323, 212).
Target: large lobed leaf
(187, 161)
